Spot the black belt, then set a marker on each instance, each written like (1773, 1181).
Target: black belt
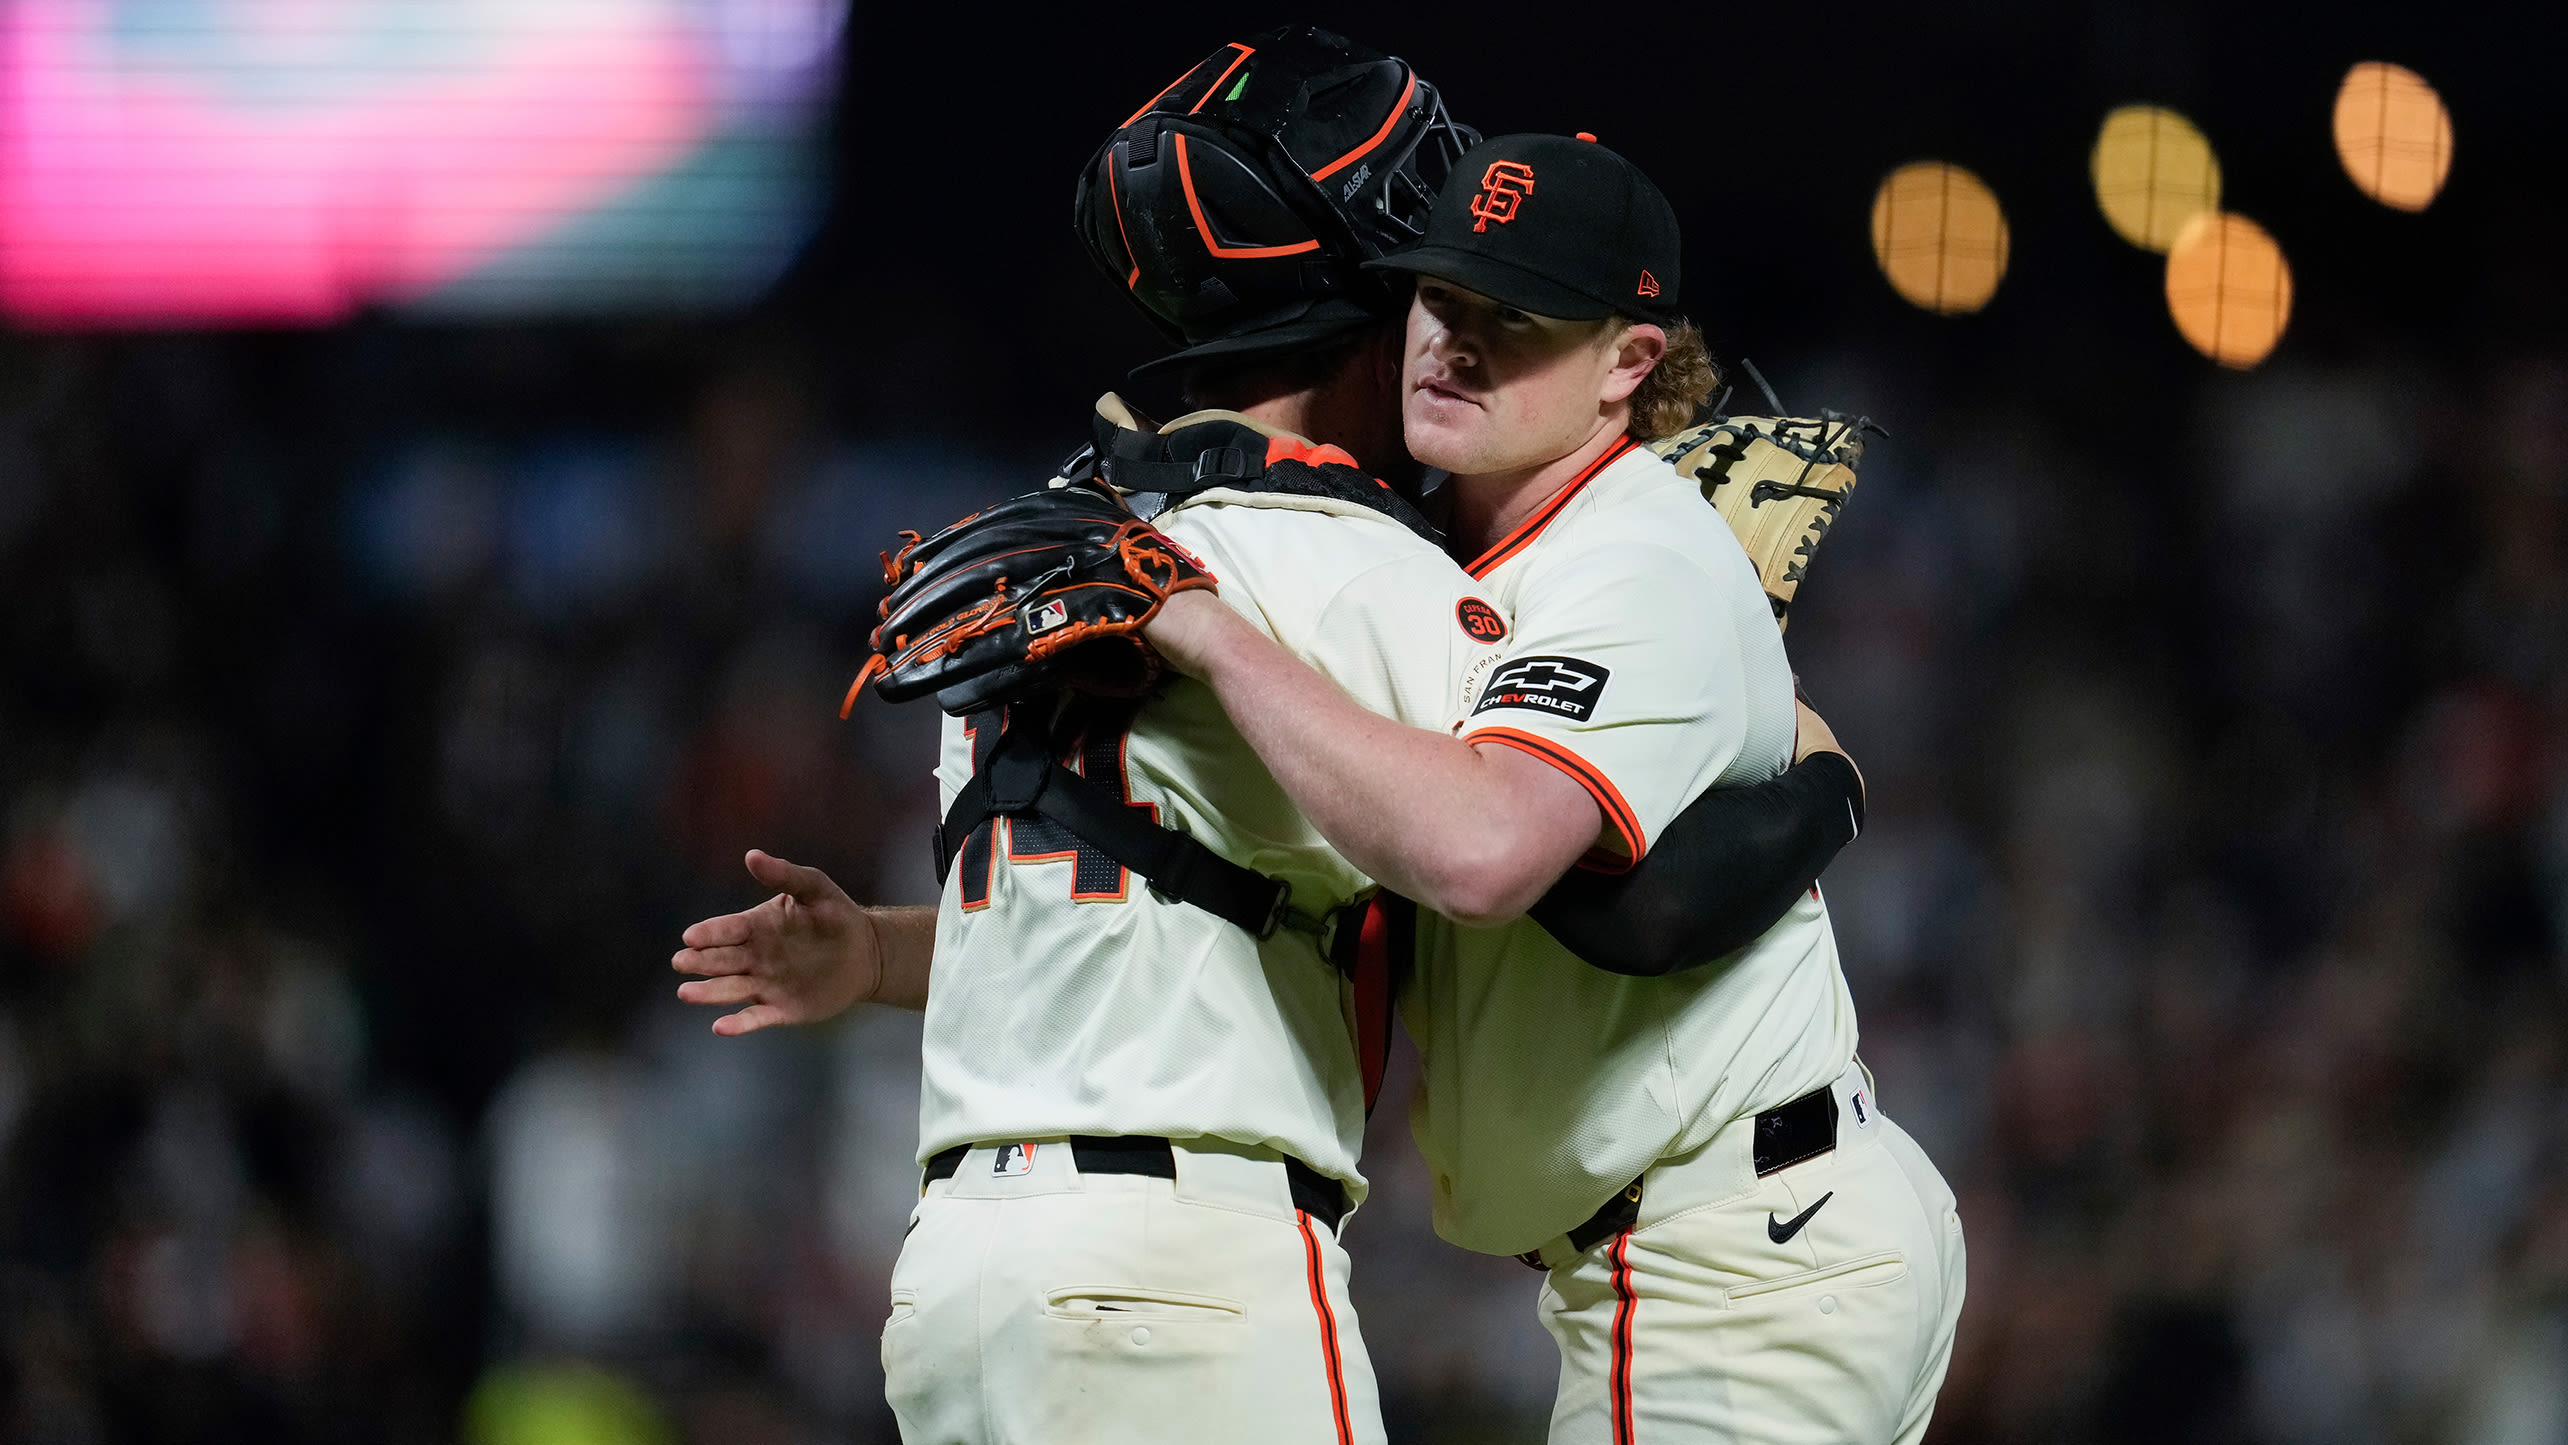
(1785, 1135)
(1313, 1193)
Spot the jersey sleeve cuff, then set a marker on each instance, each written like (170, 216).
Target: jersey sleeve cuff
(1609, 799)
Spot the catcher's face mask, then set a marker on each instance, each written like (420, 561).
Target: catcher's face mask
(1236, 208)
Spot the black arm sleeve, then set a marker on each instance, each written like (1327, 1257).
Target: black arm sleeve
(1720, 874)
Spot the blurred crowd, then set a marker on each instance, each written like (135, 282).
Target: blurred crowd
(383, 703)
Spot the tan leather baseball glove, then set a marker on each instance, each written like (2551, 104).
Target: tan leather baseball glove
(1777, 480)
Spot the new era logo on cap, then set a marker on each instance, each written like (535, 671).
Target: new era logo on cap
(1649, 284)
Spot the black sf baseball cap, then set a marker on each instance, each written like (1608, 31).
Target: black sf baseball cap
(1555, 225)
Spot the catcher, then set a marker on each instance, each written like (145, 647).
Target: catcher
(1064, 1051)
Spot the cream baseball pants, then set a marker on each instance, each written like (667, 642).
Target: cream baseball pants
(1034, 1305)
(1813, 1306)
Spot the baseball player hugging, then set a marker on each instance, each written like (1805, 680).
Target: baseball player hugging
(1163, 961)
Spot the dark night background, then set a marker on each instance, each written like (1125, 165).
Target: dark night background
(2210, 929)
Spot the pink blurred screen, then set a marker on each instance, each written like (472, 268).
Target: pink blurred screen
(177, 162)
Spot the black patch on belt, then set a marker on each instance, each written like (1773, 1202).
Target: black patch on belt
(1787, 1134)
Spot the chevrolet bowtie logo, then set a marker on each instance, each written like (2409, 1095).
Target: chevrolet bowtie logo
(1541, 674)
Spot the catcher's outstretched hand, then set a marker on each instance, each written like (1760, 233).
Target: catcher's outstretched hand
(805, 955)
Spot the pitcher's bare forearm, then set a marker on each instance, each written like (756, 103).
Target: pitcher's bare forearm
(1473, 833)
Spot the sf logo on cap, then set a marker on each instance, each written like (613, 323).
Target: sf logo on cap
(1502, 187)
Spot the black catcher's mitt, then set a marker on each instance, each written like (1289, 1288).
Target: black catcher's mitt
(1041, 593)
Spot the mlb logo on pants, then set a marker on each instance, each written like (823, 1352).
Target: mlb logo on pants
(1012, 1161)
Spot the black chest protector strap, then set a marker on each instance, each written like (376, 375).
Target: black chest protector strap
(1154, 471)
(1022, 779)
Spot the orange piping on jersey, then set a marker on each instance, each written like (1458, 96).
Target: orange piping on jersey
(1114, 198)
(1618, 813)
(1626, 1302)
(1516, 541)
(1335, 166)
(1244, 53)
(1204, 228)
(1329, 1358)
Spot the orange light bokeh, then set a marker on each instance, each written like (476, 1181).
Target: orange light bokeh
(1940, 237)
(2393, 135)
(2229, 289)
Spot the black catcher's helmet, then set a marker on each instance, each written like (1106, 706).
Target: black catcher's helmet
(1238, 206)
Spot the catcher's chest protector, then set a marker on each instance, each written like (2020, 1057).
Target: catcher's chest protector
(1154, 471)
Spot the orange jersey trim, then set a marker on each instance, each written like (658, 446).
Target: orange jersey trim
(1204, 227)
(1517, 540)
(1329, 1357)
(1618, 813)
(1626, 1302)
(1388, 121)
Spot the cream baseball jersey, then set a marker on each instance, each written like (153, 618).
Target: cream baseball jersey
(1071, 999)
(1645, 663)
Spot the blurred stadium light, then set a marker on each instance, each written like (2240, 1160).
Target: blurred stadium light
(196, 162)
(1940, 237)
(2393, 135)
(2229, 289)
(2153, 172)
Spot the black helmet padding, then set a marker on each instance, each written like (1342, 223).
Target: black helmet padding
(1238, 206)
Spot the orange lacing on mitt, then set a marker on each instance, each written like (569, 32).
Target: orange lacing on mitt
(978, 620)
(872, 669)
(895, 563)
(1158, 567)
(982, 617)
(1153, 561)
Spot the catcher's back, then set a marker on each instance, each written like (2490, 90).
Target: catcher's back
(1779, 482)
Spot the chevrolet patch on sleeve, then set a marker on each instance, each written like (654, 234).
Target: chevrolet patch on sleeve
(1563, 686)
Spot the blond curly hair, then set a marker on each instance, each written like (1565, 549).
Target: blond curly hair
(1667, 399)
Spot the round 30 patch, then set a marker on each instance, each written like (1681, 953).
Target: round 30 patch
(1480, 621)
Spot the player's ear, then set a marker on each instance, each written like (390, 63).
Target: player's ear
(1633, 354)
(1386, 350)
